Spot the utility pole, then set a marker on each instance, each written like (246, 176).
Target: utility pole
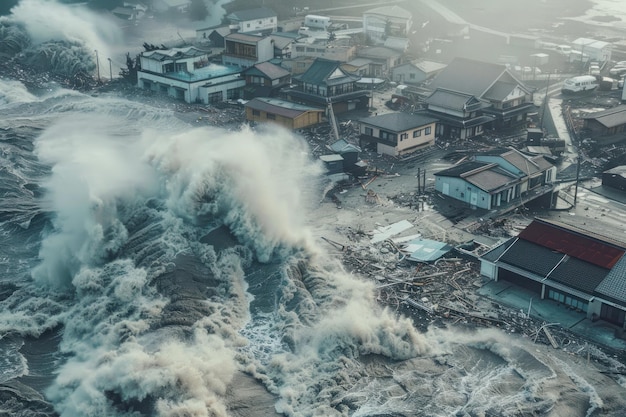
(110, 70)
(97, 65)
(545, 102)
(577, 177)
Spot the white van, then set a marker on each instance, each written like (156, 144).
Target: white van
(580, 83)
(563, 49)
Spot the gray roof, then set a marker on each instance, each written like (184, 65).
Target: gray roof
(469, 76)
(343, 146)
(174, 53)
(451, 99)
(271, 71)
(619, 170)
(280, 107)
(390, 11)
(244, 37)
(320, 71)
(251, 14)
(614, 285)
(499, 91)
(377, 52)
(615, 116)
(398, 122)
(491, 179)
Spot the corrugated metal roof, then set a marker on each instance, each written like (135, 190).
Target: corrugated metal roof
(576, 243)
(615, 116)
(426, 250)
(399, 122)
(280, 107)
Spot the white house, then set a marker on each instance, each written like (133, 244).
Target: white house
(594, 49)
(245, 50)
(185, 73)
(261, 19)
(397, 134)
(387, 21)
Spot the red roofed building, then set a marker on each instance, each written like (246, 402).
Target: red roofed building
(571, 266)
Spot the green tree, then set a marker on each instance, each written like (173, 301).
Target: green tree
(198, 10)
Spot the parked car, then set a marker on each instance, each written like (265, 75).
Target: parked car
(618, 70)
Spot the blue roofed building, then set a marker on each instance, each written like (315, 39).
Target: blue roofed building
(186, 74)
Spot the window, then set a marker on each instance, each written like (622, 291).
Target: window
(247, 25)
(427, 131)
(417, 133)
(388, 136)
(256, 113)
(369, 131)
(271, 116)
(412, 76)
(404, 136)
(215, 97)
(232, 94)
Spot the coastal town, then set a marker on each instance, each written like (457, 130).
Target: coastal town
(479, 187)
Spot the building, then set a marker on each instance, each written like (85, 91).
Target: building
(381, 60)
(214, 35)
(171, 6)
(282, 44)
(323, 48)
(186, 74)
(325, 83)
(575, 268)
(284, 113)
(502, 178)
(264, 80)
(606, 126)
(259, 20)
(460, 115)
(415, 72)
(387, 21)
(245, 50)
(596, 50)
(507, 99)
(615, 178)
(397, 134)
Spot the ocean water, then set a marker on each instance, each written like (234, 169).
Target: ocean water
(153, 268)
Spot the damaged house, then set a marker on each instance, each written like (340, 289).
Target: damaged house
(502, 179)
(575, 268)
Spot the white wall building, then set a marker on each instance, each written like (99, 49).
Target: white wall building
(388, 21)
(594, 49)
(185, 74)
(261, 19)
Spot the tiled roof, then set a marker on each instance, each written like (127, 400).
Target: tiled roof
(496, 252)
(398, 122)
(576, 243)
(321, 69)
(578, 274)
(269, 70)
(251, 14)
(531, 257)
(615, 116)
(499, 91)
(614, 285)
(451, 99)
